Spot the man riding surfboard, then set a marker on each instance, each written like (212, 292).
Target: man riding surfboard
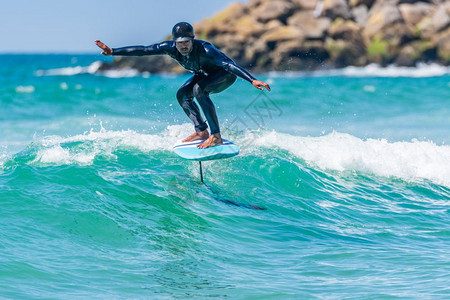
(213, 73)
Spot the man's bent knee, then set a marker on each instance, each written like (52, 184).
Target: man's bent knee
(181, 94)
(199, 92)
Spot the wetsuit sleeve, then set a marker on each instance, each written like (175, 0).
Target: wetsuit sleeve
(220, 59)
(155, 49)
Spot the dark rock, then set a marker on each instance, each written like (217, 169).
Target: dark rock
(335, 9)
(366, 3)
(312, 27)
(360, 14)
(275, 9)
(442, 42)
(381, 16)
(281, 35)
(413, 13)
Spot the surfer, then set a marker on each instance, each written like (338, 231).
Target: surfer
(213, 73)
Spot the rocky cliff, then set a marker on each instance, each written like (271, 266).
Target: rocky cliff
(280, 35)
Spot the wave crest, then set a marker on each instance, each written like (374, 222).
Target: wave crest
(341, 152)
(411, 161)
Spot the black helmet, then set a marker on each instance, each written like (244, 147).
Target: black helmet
(182, 31)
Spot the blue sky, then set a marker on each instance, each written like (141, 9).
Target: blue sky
(62, 26)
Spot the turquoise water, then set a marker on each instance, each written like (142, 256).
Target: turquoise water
(352, 168)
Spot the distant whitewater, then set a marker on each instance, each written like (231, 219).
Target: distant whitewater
(351, 166)
(372, 70)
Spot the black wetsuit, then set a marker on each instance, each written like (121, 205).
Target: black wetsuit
(213, 73)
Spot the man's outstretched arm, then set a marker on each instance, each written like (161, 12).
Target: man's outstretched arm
(220, 59)
(232, 67)
(165, 47)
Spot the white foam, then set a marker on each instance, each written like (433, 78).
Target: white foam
(70, 71)
(54, 154)
(91, 69)
(64, 86)
(373, 70)
(25, 89)
(123, 73)
(369, 88)
(411, 161)
(3, 159)
(54, 149)
(422, 70)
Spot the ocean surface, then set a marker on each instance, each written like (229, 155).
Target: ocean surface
(341, 189)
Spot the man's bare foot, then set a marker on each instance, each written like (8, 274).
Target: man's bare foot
(213, 140)
(200, 135)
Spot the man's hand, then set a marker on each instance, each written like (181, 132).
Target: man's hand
(260, 84)
(106, 50)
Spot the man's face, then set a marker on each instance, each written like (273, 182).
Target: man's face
(184, 47)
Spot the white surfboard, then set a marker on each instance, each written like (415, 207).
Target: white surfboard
(189, 150)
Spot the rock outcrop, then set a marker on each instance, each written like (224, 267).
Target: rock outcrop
(265, 35)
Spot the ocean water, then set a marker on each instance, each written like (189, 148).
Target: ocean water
(350, 169)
